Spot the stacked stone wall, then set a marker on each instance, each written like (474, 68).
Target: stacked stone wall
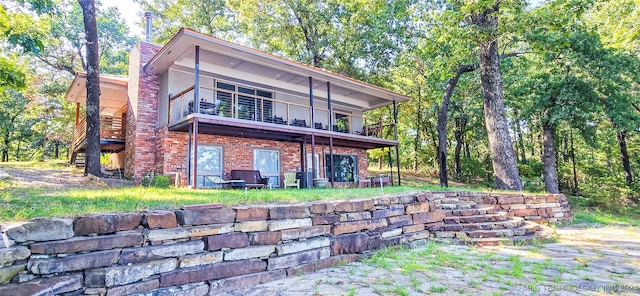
(208, 249)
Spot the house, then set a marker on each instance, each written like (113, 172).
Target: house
(237, 108)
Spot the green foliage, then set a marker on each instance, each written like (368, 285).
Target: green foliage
(531, 169)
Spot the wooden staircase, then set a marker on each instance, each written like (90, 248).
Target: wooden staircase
(469, 223)
(78, 158)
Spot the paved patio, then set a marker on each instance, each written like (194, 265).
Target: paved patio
(586, 260)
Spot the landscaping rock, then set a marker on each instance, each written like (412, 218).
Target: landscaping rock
(422, 207)
(134, 288)
(106, 223)
(265, 238)
(399, 221)
(228, 240)
(211, 272)
(134, 255)
(249, 253)
(245, 281)
(206, 216)
(197, 289)
(322, 208)
(289, 212)
(289, 223)
(40, 229)
(83, 244)
(251, 226)
(201, 259)
(430, 217)
(7, 273)
(251, 214)
(187, 232)
(304, 245)
(349, 243)
(9, 255)
(355, 216)
(74, 262)
(122, 275)
(393, 210)
(44, 286)
(305, 232)
(325, 219)
(355, 226)
(298, 258)
(159, 219)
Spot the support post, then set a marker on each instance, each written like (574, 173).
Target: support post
(196, 88)
(390, 167)
(189, 151)
(395, 131)
(330, 134)
(313, 134)
(77, 114)
(195, 153)
(303, 162)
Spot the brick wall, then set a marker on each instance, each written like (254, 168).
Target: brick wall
(171, 153)
(202, 250)
(142, 114)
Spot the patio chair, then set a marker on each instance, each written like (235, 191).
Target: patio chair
(291, 181)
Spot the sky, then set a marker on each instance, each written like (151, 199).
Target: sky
(129, 11)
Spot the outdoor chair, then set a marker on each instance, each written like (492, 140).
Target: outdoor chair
(291, 181)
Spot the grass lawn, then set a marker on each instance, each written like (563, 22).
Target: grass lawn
(22, 203)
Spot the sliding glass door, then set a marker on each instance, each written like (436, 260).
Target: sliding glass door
(268, 163)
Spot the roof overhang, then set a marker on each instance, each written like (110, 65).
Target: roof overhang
(241, 61)
(113, 92)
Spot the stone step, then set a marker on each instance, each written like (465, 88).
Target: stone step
(499, 216)
(527, 228)
(480, 210)
(513, 222)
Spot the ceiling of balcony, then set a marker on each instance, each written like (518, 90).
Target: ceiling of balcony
(113, 92)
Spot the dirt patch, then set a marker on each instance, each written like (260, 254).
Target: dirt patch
(65, 177)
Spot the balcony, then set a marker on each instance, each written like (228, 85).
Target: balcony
(112, 134)
(258, 115)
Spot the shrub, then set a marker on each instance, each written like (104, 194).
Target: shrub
(150, 179)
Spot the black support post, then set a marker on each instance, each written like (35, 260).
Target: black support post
(313, 133)
(395, 130)
(330, 134)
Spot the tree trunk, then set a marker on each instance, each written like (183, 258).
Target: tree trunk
(57, 149)
(380, 163)
(92, 160)
(576, 189)
(456, 155)
(417, 141)
(549, 158)
(505, 167)
(442, 121)
(523, 157)
(626, 164)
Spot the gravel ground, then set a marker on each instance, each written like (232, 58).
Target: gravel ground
(586, 260)
(65, 177)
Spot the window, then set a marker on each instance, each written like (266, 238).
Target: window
(209, 164)
(268, 163)
(345, 167)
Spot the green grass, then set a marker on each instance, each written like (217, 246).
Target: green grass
(19, 203)
(599, 217)
(24, 203)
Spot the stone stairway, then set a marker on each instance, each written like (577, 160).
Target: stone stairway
(466, 222)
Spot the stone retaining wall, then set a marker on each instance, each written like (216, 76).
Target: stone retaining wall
(208, 249)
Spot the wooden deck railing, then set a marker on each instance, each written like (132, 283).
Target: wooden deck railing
(112, 128)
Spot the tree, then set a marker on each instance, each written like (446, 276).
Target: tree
(13, 106)
(92, 165)
(211, 17)
(484, 16)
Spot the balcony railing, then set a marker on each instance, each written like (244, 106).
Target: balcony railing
(112, 128)
(267, 110)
